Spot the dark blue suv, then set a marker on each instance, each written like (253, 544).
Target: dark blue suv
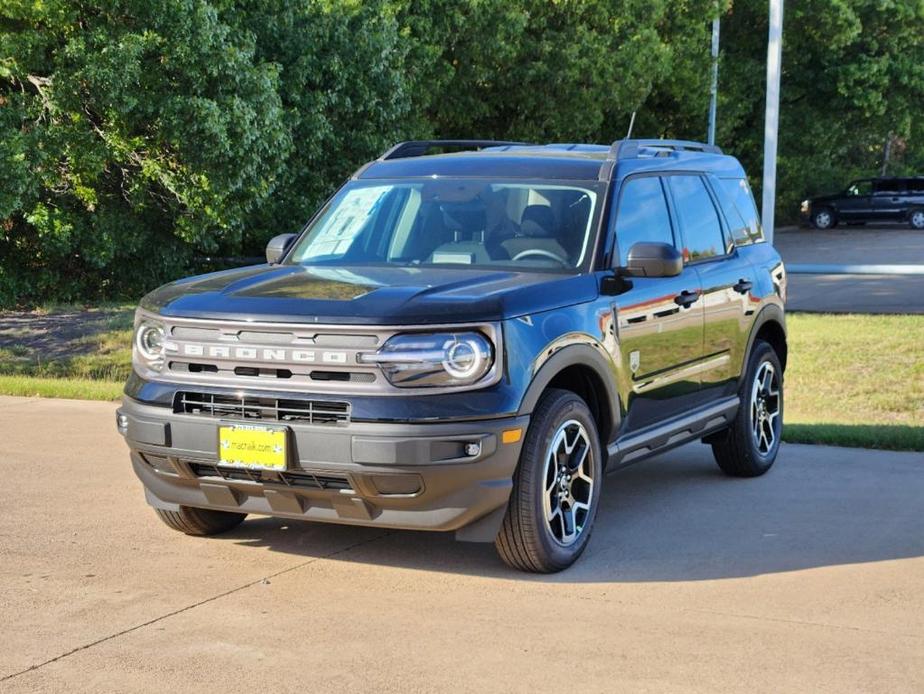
(466, 341)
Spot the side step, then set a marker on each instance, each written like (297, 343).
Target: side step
(662, 437)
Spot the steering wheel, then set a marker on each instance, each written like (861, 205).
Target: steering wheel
(542, 253)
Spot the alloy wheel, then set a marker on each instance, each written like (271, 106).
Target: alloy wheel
(765, 408)
(568, 483)
(917, 219)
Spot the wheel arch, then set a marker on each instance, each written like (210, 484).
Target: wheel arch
(770, 326)
(586, 371)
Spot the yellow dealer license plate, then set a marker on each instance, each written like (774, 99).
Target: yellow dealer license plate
(246, 445)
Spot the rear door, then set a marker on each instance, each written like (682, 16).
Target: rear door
(890, 199)
(659, 319)
(725, 277)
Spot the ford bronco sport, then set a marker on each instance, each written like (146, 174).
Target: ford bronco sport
(466, 341)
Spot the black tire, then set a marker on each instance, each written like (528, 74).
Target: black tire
(200, 521)
(739, 453)
(824, 218)
(916, 219)
(527, 541)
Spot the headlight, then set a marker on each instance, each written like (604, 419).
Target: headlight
(149, 344)
(805, 205)
(434, 359)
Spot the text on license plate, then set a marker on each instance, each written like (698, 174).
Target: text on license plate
(245, 445)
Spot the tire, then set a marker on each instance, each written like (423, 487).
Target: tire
(200, 521)
(554, 500)
(742, 452)
(916, 219)
(824, 218)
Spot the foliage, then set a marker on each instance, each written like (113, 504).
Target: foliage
(138, 135)
(853, 76)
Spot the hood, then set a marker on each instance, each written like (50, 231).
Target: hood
(831, 197)
(372, 295)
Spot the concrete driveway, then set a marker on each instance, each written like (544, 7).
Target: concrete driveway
(860, 245)
(810, 578)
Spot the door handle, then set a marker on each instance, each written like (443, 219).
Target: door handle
(743, 286)
(686, 298)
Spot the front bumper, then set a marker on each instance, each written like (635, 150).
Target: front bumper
(392, 475)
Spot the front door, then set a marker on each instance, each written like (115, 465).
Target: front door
(857, 202)
(659, 320)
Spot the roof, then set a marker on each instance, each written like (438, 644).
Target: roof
(561, 161)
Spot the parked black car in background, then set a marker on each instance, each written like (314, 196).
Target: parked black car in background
(870, 200)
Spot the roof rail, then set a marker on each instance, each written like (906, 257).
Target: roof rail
(417, 148)
(629, 149)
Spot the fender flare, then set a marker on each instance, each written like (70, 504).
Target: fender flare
(770, 312)
(584, 355)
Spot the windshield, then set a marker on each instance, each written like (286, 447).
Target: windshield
(454, 222)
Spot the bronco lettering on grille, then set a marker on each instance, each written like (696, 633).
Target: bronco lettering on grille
(253, 353)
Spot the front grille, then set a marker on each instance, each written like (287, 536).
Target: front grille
(289, 478)
(256, 408)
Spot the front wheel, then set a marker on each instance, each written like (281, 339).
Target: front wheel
(556, 488)
(200, 521)
(823, 219)
(751, 443)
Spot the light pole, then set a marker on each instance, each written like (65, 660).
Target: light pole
(715, 80)
(772, 117)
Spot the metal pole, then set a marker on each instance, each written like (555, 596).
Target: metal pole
(715, 80)
(772, 118)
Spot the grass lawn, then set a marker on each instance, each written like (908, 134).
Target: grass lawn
(66, 352)
(852, 380)
(855, 380)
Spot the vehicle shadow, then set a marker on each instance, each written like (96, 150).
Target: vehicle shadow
(677, 518)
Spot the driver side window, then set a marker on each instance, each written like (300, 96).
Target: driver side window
(642, 215)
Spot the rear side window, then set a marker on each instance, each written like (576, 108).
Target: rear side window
(916, 185)
(699, 220)
(889, 185)
(642, 215)
(741, 211)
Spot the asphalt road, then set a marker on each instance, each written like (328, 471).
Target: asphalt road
(808, 579)
(854, 245)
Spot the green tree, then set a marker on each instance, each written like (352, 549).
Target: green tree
(133, 133)
(534, 70)
(853, 75)
(343, 88)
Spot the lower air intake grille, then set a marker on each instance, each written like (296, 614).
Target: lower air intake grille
(290, 478)
(228, 406)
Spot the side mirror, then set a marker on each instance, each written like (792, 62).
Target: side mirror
(278, 246)
(650, 259)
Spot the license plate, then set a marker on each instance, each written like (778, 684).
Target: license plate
(246, 445)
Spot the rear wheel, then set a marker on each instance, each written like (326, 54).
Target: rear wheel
(200, 521)
(823, 218)
(752, 442)
(916, 219)
(556, 488)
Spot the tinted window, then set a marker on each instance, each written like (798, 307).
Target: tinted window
(702, 231)
(642, 215)
(889, 185)
(916, 185)
(741, 211)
